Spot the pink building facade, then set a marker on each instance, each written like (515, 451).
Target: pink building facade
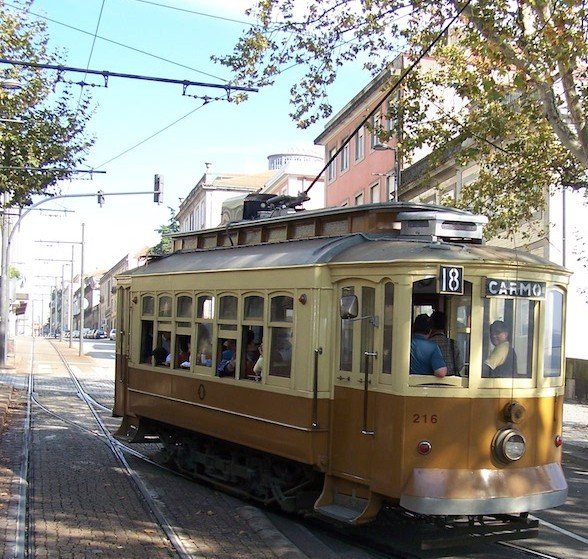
(361, 174)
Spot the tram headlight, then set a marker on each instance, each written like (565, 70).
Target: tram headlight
(508, 445)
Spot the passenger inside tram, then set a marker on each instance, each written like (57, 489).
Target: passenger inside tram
(448, 347)
(425, 355)
(502, 361)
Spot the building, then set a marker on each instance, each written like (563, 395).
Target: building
(366, 171)
(294, 172)
(108, 287)
(202, 208)
(289, 173)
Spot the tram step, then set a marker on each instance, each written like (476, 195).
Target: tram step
(338, 512)
(347, 502)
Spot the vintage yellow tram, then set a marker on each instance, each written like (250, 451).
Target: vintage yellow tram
(334, 416)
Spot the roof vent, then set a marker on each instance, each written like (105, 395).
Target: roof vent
(449, 226)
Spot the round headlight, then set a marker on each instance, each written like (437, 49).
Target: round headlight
(508, 445)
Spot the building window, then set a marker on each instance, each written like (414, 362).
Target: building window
(359, 144)
(345, 156)
(359, 199)
(332, 171)
(375, 193)
(376, 126)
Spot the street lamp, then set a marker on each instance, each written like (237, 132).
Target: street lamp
(397, 166)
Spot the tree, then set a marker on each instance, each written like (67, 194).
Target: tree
(519, 67)
(44, 125)
(165, 245)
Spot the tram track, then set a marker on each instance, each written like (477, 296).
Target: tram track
(149, 496)
(24, 519)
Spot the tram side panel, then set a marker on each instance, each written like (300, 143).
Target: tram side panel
(277, 416)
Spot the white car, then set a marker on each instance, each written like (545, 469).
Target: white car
(112, 334)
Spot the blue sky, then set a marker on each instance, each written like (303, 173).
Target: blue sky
(234, 138)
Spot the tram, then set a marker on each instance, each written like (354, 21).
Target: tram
(335, 421)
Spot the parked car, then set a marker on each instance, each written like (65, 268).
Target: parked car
(75, 334)
(99, 334)
(112, 334)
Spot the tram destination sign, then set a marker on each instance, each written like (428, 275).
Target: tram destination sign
(497, 287)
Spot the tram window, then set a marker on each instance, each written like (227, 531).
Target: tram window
(282, 309)
(148, 305)
(205, 307)
(226, 357)
(552, 349)
(280, 348)
(514, 323)
(228, 308)
(368, 308)
(280, 361)
(146, 341)
(455, 343)
(182, 351)
(388, 314)
(461, 329)
(251, 339)
(184, 307)
(346, 350)
(253, 308)
(165, 306)
(204, 345)
(161, 352)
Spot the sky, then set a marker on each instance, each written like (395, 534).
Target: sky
(146, 128)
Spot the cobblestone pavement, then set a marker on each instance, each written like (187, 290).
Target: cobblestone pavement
(82, 501)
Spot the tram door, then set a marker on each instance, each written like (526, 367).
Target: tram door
(121, 350)
(351, 448)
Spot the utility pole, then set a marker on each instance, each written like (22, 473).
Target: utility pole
(8, 232)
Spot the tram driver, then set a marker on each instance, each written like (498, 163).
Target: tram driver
(425, 356)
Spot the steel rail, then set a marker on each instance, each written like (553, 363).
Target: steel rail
(21, 542)
(114, 446)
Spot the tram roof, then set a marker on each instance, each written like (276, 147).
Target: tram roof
(351, 248)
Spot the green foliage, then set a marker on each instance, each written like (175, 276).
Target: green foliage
(13, 273)
(165, 245)
(51, 133)
(515, 71)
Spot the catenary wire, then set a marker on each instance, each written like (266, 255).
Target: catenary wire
(150, 137)
(91, 52)
(388, 93)
(134, 49)
(202, 14)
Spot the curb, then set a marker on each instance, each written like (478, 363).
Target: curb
(282, 547)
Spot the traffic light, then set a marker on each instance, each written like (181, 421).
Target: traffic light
(100, 195)
(158, 189)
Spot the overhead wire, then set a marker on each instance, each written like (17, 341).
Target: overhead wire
(91, 53)
(150, 137)
(389, 92)
(117, 43)
(194, 12)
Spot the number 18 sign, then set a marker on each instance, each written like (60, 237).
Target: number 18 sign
(451, 280)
